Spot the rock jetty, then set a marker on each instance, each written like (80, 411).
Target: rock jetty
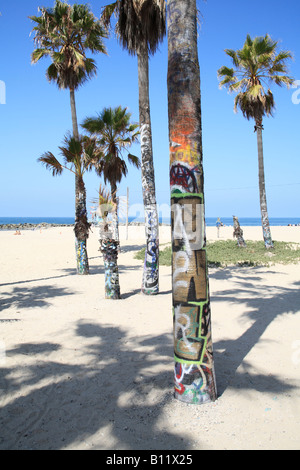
(28, 226)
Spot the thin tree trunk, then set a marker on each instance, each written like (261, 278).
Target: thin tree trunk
(194, 367)
(238, 232)
(80, 243)
(109, 247)
(262, 189)
(115, 212)
(127, 209)
(150, 282)
(109, 250)
(81, 228)
(74, 115)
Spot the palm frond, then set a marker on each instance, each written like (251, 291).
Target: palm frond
(51, 163)
(105, 201)
(140, 24)
(107, 12)
(72, 149)
(38, 54)
(52, 73)
(281, 80)
(90, 153)
(231, 53)
(93, 125)
(134, 160)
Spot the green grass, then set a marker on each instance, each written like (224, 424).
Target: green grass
(224, 253)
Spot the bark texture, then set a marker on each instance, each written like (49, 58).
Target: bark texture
(109, 249)
(238, 232)
(150, 282)
(81, 227)
(262, 189)
(194, 366)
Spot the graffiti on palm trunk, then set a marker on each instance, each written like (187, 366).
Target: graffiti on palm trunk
(194, 380)
(82, 258)
(109, 249)
(150, 281)
(150, 277)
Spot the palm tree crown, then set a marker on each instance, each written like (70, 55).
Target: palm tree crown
(256, 65)
(140, 23)
(78, 156)
(114, 134)
(64, 33)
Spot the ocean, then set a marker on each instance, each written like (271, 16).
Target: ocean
(210, 221)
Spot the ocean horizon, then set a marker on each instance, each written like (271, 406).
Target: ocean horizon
(210, 221)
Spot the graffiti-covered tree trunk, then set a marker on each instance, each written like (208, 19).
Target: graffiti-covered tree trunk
(109, 247)
(262, 188)
(81, 227)
(150, 282)
(194, 367)
(238, 232)
(115, 223)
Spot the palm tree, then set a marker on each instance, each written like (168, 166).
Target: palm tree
(64, 34)
(105, 207)
(256, 65)
(194, 367)
(114, 134)
(141, 26)
(78, 156)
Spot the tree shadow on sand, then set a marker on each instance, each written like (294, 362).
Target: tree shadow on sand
(120, 388)
(113, 391)
(33, 297)
(262, 309)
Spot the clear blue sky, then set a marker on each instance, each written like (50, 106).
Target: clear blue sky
(36, 115)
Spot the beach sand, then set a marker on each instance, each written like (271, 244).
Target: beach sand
(81, 372)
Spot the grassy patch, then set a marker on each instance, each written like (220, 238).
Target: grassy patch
(224, 253)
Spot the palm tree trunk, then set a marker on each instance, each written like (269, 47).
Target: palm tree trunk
(109, 247)
(74, 114)
(238, 232)
(150, 282)
(80, 202)
(262, 188)
(194, 367)
(81, 228)
(116, 237)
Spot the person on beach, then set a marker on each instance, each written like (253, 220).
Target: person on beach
(218, 224)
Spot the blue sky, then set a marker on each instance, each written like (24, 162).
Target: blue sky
(36, 115)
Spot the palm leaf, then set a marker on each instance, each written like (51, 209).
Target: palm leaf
(107, 12)
(105, 201)
(134, 160)
(38, 54)
(51, 163)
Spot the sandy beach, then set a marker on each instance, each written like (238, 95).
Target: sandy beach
(79, 372)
